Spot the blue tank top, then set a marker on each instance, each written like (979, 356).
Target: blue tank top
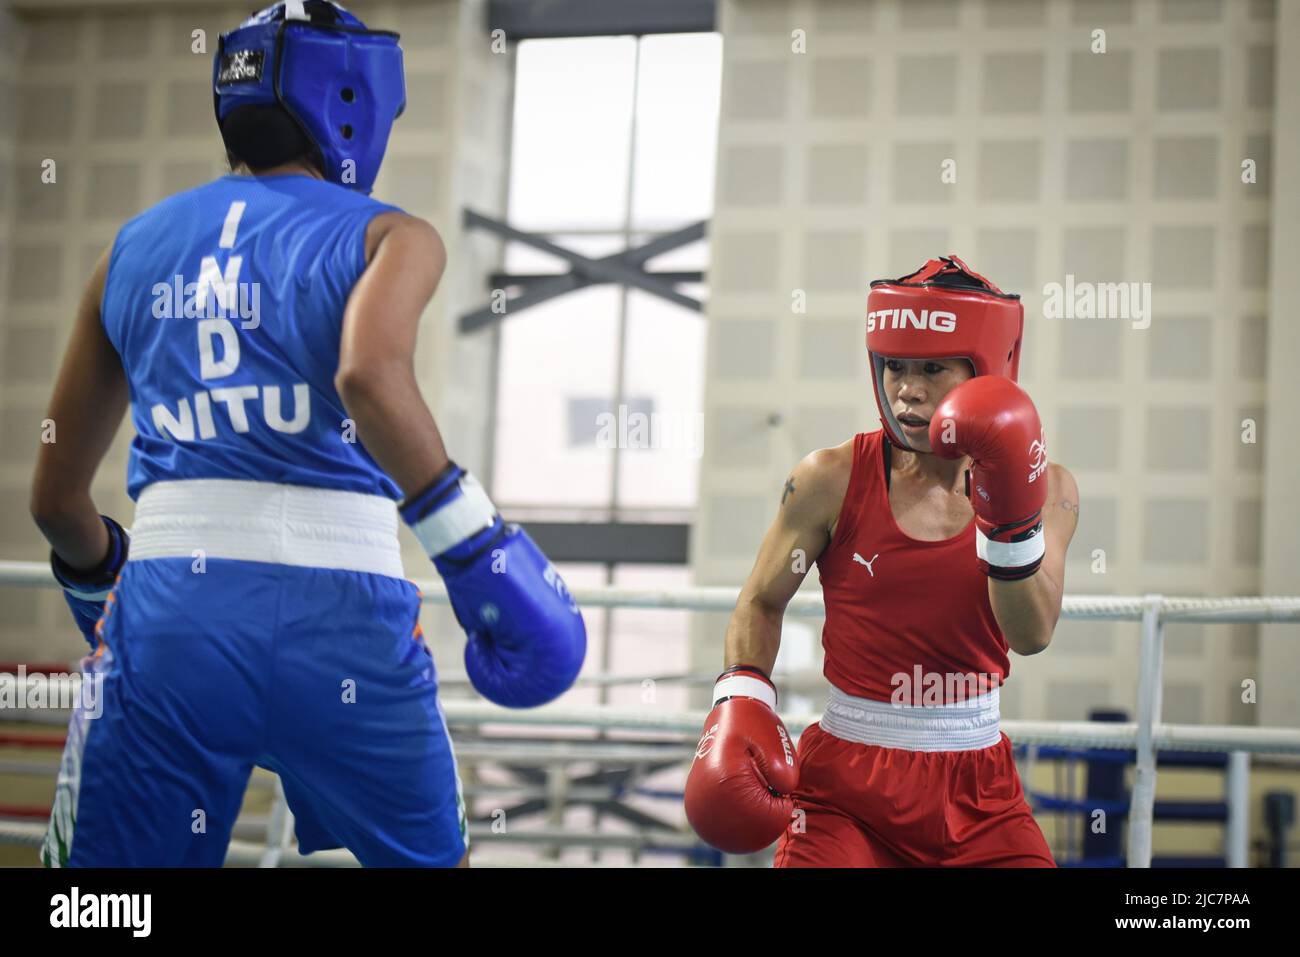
(225, 304)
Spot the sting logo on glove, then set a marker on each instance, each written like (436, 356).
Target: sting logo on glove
(786, 745)
(706, 743)
(1037, 457)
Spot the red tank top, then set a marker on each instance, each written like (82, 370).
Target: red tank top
(898, 606)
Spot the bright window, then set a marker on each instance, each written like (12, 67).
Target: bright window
(600, 391)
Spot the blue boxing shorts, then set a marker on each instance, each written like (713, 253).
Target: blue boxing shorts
(270, 625)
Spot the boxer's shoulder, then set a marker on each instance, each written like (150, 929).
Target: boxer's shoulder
(818, 484)
(827, 470)
(419, 230)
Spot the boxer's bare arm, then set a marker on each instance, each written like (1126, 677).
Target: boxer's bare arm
(810, 505)
(1028, 610)
(89, 401)
(376, 374)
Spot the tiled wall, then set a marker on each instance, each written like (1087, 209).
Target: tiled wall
(1115, 166)
(837, 119)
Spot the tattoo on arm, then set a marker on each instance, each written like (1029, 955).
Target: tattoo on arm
(1071, 507)
(789, 489)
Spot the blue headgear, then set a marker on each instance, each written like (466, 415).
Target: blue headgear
(341, 83)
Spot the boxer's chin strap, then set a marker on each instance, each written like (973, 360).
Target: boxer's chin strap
(744, 681)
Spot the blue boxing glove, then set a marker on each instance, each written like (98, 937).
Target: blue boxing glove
(527, 639)
(86, 591)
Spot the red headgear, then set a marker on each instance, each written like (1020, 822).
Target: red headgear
(944, 310)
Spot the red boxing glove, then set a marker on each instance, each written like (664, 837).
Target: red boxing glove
(994, 421)
(738, 790)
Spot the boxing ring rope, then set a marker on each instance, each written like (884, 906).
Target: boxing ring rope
(1147, 735)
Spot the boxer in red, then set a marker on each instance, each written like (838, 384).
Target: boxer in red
(940, 542)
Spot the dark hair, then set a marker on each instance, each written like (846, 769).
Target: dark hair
(265, 136)
(957, 280)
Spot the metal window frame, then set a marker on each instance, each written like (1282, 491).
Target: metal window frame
(529, 20)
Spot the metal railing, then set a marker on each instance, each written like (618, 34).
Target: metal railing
(1147, 735)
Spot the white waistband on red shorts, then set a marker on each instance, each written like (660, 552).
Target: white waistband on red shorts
(267, 522)
(970, 725)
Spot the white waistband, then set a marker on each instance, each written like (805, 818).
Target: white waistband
(968, 726)
(267, 522)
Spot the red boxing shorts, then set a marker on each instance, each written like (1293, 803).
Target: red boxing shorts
(874, 805)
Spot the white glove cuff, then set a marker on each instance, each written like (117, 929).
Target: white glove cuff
(741, 685)
(1010, 554)
(466, 514)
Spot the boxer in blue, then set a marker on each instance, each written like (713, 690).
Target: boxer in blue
(261, 329)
